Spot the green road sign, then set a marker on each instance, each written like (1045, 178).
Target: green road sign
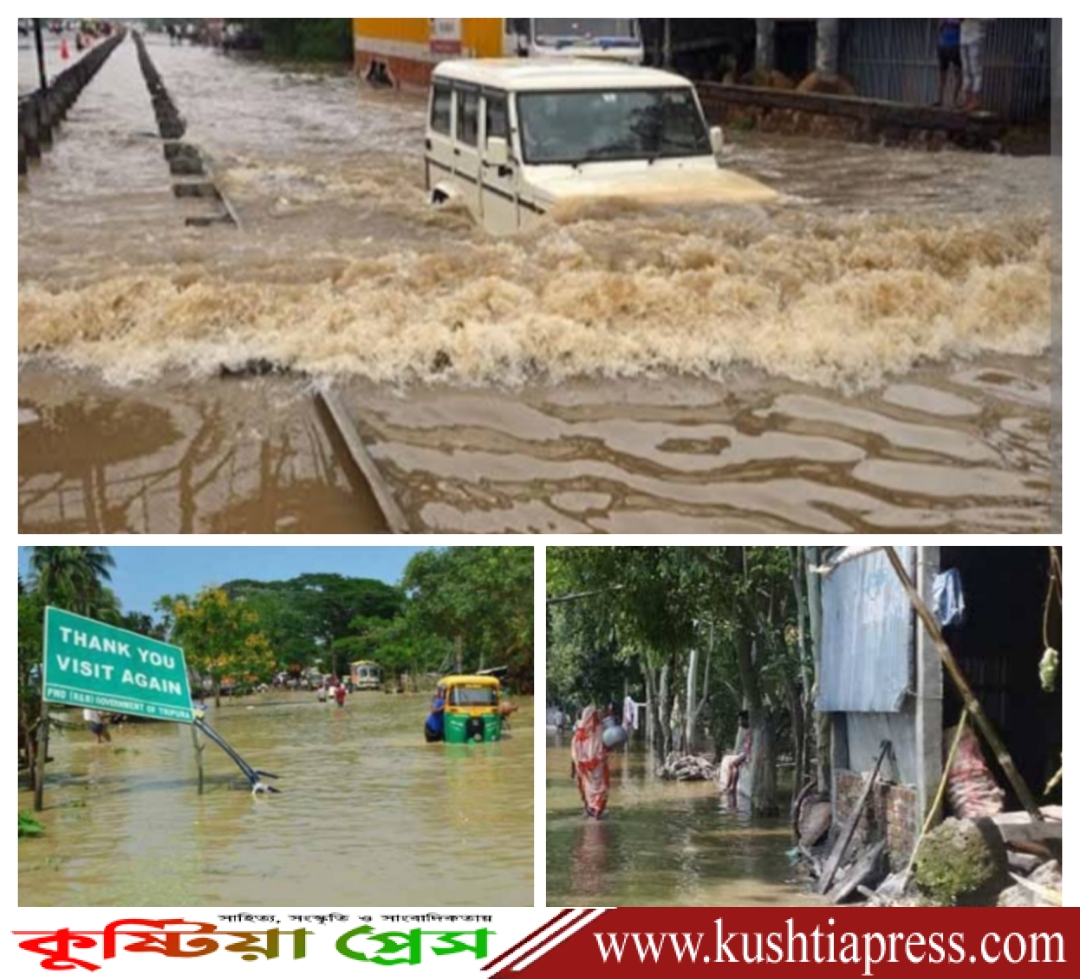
(90, 664)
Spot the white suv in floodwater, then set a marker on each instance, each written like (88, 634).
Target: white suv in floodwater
(510, 138)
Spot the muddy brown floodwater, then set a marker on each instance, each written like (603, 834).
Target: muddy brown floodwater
(368, 814)
(662, 843)
(870, 353)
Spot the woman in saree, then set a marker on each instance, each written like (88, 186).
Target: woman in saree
(590, 765)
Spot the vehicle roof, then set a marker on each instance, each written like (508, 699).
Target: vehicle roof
(363, 662)
(475, 681)
(548, 74)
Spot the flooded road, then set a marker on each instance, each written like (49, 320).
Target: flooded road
(368, 815)
(870, 353)
(663, 843)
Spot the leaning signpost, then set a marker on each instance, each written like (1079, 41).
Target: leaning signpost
(91, 664)
(94, 665)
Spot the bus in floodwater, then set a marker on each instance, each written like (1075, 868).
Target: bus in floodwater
(365, 675)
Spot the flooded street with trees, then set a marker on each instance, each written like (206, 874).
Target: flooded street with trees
(870, 352)
(368, 814)
(746, 725)
(301, 770)
(666, 843)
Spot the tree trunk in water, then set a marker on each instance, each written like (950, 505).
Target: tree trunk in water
(798, 734)
(763, 750)
(822, 744)
(31, 757)
(652, 717)
(217, 691)
(803, 702)
(665, 712)
(763, 767)
(689, 734)
(40, 759)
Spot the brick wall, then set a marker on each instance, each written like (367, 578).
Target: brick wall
(891, 814)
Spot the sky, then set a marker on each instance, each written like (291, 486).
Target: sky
(143, 574)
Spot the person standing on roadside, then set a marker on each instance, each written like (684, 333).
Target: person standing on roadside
(948, 52)
(972, 43)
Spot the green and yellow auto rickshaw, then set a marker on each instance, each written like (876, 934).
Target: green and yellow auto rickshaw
(472, 710)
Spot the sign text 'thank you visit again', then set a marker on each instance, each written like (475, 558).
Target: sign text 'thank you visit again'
(91, 664)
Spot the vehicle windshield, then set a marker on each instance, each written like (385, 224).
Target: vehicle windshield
(474, 697)
(553, 31)
(626, 124)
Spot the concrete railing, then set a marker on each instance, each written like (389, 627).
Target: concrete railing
(856, 118)
(42, 111)
(184, 160)
(170, 124)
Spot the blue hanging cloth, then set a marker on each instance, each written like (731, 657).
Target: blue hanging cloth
(949, 598)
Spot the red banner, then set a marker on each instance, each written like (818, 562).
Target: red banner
(787, 941)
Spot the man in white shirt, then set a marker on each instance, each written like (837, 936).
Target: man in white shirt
(96, 720)
(972, 43)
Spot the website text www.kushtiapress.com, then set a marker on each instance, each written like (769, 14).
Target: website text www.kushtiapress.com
(826, 946)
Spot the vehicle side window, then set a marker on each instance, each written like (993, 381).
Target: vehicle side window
(468, 111)
(496, 122)
(440, 109)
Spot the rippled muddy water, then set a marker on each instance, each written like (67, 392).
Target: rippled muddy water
(368, 814)
(663, 843)
(869, 353)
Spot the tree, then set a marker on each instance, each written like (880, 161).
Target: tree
(72, 578)
(305, 616)
(143, 624)
(31, 624)
(306, 38)
(481, 600)
(708, 630)
(220, 637)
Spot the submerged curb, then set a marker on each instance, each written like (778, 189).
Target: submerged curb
(184, 159)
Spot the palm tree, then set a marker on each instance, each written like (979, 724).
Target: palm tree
(73, 578)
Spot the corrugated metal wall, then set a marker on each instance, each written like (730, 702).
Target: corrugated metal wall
(897, 59)
(866, 636)
(865, 732)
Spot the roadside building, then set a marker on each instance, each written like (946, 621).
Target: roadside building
(882, 679)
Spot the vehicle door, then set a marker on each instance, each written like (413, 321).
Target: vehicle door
(498, 171)
(467, 145)
(439, 144)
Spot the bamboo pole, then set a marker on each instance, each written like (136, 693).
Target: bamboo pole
(1016, 780)
(941, 790)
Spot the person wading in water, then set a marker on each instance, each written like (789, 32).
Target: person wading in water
(433, 726)
(590, 764)
(730, 764)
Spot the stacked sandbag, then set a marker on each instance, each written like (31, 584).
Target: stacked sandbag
(971, 789)
(687, 768)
